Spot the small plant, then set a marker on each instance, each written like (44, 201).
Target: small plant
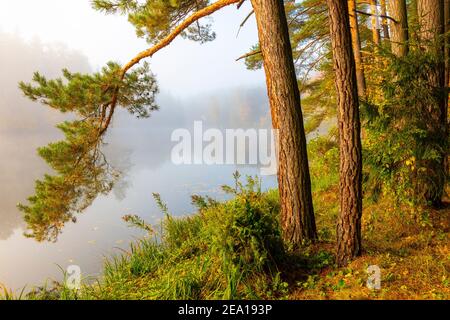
(138, 222)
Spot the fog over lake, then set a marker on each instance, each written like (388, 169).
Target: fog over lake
(139, 148)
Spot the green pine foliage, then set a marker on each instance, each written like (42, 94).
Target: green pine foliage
(403, 149)
(81, 171)
(310, 41)
(88, 94)
(154, 19)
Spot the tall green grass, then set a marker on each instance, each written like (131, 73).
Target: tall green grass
(227, 250)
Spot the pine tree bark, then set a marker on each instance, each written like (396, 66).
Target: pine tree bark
(447, 41)
(356, 44)
(349, 222)
(374, 21)
(399, 28)
(447, 63)
(384, 22)
(431, 17)
(297, 214)
(413, 20)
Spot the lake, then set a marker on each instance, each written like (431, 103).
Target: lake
(141, 150)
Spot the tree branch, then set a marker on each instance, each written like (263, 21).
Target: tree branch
(162, 44)
(380, 16)
(250, 54)
(179, 29)
(245, 21)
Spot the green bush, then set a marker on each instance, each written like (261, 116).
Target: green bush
(404, 147)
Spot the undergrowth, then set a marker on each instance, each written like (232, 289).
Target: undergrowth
(228, 250)
(233, 250)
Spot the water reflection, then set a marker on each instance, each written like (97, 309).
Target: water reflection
(23, 125)
(139, 149)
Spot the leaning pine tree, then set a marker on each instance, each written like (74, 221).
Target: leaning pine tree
(161, 21)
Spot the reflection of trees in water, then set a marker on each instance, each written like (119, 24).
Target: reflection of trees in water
(23, 125)
(122, 164)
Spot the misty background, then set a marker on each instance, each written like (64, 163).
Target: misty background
(139, 148)
(26, 125)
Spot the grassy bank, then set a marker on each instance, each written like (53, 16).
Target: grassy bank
(233, 250)
(228, 250)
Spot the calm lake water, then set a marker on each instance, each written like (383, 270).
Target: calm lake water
(140, 149)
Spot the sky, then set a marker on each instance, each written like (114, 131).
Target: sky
(184, 69)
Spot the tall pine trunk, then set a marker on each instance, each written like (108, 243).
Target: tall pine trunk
(384, 22)
(349, 222)
(432, 27)
(399, 27)
(447, 41)
(297, 213)
(374, 21)
(447, 65)
(356, 44)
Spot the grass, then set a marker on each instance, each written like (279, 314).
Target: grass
(233, 250)
(228, 250)
(411, 247)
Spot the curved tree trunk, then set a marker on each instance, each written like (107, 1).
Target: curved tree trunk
(432, 27)
(297, 214)
(349, 222)
(399, 28)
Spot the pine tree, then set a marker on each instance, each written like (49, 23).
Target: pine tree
(82, 171)
(160, 22)
(356, 43)
(399, 27)
(349, 221)
(384, 20)
(310, 41)
(294, 182)
(374, 22)
(432, 27)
